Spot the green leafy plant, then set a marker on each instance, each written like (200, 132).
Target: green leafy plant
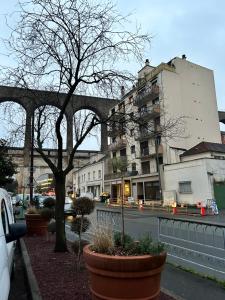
(47, 212)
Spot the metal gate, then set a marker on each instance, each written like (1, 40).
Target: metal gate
(219, 193)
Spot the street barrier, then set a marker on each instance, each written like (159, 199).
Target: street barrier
(194, 245)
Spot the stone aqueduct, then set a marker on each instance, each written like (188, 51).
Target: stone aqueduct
(30, 100)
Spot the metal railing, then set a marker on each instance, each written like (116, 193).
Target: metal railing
(151, 111)
(147, 94)
(109, 218)
(195, 245)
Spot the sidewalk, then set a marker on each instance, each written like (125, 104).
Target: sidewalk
(189, 286)
(176, 283)
(180, 284)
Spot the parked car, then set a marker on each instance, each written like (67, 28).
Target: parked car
(9, 233)
(68, 203)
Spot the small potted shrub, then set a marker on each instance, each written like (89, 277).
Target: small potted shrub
(37, 219)
(83, 206)
(121, 268)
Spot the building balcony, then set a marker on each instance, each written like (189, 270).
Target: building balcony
(118, 175)
(146, 154)
(114, 131)
(144, 135)
(151, 112)
(118, 145)
(146, 95)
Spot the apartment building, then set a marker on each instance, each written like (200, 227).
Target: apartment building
(89, 179)
(174, 108)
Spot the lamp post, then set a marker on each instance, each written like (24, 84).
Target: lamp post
(32, 160)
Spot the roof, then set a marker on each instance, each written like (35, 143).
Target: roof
(205, 147)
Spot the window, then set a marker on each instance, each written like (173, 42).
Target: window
(133, 166)
(84, 177)
(93, 175)
(185, 187)
(145, 167)
(144, 148)
(123, 152)
(99, 174)
(132, 149)
(89, 176)
(5, 220)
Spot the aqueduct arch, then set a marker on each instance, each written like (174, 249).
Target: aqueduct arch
(32, 99)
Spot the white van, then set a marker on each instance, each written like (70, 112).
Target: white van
(9, 233)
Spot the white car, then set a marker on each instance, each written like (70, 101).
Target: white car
(68, 203)
(9, 233)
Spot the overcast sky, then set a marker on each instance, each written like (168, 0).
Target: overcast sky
(195, 28)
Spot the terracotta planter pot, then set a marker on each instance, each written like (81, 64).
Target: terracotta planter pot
(124, 277)
(36, 225)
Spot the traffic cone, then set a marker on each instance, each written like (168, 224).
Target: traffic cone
(141, 207)
(174, 210)
(203, 211)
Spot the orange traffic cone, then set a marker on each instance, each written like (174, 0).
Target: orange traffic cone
(141, 207)
(203, 211)
(174, 210)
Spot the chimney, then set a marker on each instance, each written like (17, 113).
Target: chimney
(147, 62)
(184, 56)
(122, 91)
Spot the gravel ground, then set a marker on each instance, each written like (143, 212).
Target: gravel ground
(56, 273)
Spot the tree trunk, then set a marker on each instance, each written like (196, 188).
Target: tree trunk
(60, 243)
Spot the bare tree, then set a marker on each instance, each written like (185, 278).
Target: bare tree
(71, 46)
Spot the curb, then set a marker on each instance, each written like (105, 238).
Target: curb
(171, 294)
(34, 289)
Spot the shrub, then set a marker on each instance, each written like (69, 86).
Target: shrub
(32, 210)
(47, 213)
(49, 202)
(102, 240)
(107, 243)
(83, 205)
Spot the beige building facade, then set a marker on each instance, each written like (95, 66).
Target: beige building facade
(173, 107)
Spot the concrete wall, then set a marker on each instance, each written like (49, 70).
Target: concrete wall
(190, 92)
(201, 172)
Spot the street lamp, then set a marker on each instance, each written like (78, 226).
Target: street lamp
(32, 160)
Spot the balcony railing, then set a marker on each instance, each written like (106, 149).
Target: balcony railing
(150, 112)
(115, 131)
(148, 94)
(118, 145)
(118, 175)
(144, 134)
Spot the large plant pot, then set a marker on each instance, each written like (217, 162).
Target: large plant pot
(124, 277)
(36, 225)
